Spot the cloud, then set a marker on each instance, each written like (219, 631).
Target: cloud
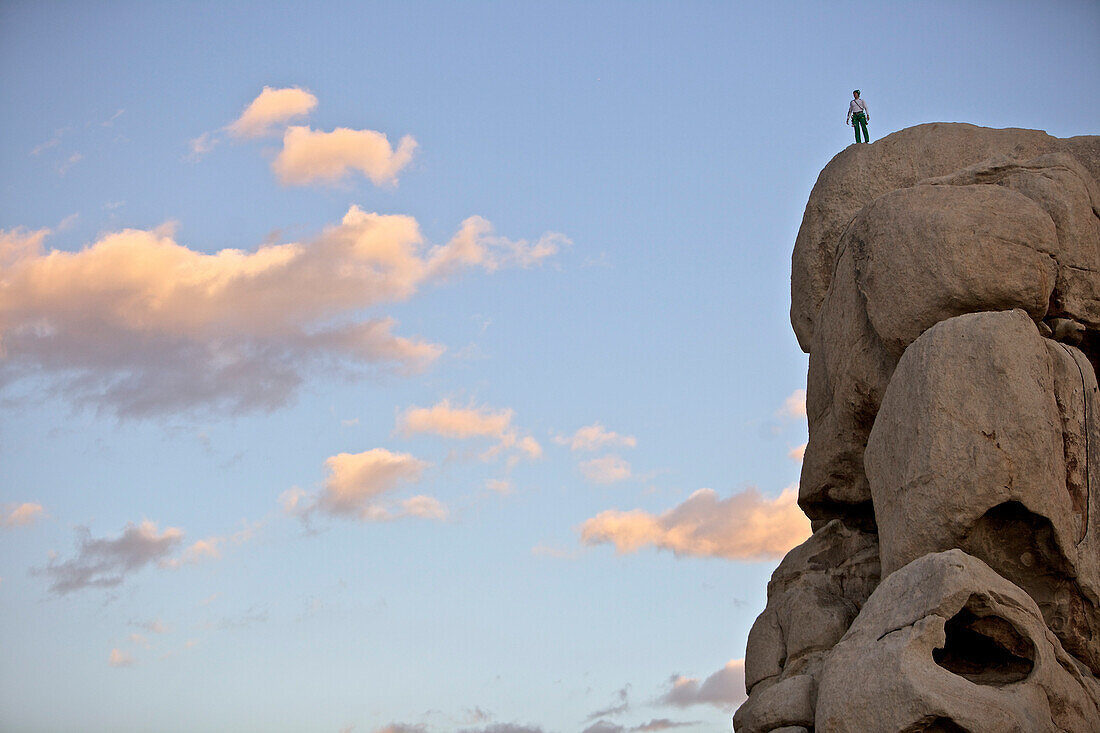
(657, 724)
(69, 163)
(203, 144)
(621, 706)
(271, 110)
(463, 423)
(356, 485)
(402, 728)
(723, 689)
(795, 405)
(456, 422)
(604, 726)
(745, 526)
(606, 470)
(120, 658)
(21, 515)
(504, 728)
(593, 437)
(501, 486)
(797, 453)
(313, 156)
(19, 244)
(104, 563)
(211, 547)
(144, 325)
(155, 626)
(555, 552)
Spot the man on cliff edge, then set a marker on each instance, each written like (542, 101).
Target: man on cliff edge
(858, 116)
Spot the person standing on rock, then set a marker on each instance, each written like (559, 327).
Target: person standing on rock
(858, 116)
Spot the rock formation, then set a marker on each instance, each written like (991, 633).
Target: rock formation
(946, 284)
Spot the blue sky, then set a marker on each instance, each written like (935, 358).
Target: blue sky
(498, 518)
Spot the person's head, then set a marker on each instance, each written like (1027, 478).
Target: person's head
(856, 94)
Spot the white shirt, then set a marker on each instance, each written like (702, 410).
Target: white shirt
(857, 105)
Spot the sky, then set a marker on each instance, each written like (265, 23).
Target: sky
(419, 367)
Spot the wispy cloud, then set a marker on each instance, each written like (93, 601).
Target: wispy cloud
(505, 728)
(657, 724)
(72, 160)
(797, 453)
(155, 626)
(594, 437)
(20, 515)
(356, 486)
(211, 547)
(105, 562)
(621, 705)
(744, 526)
(606, 470)
(119, 658)
(723, 689)
(462, 423)
(144, 325)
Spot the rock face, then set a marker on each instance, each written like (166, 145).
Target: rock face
(946, 284)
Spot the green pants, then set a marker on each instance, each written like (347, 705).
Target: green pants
(860, 120)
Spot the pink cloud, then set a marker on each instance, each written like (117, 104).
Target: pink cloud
(462, 423)
(606, 470)
(795, 404)
(595, 436)
(146, 325)
(723, 689)
(357, 485)
(313, 156)
(119, 658)
(271, 109)
(745, 526)
(20, 515)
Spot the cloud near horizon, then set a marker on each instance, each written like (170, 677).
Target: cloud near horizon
(144, 325)
(723, 689)
(272, 109)
(744, 526)
(356, 484)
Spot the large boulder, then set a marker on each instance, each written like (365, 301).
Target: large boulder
(861, 173)
(946, 644)
(813, 596)
(981, 443)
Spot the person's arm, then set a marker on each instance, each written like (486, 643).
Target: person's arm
(865, 112)
(848, 119)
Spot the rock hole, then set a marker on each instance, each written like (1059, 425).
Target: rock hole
(983, 648)
(1021, 546)
(938, 724)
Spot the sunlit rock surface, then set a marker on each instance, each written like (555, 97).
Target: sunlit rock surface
(946, 284)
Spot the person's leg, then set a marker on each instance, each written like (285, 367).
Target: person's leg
(863, 124)
(855, 126)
